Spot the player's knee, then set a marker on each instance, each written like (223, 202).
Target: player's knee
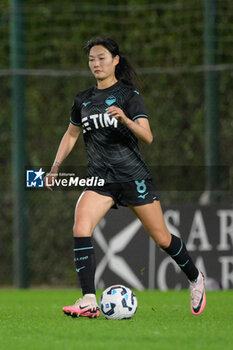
(81, 230)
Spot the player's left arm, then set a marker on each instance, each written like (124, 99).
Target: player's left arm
(140, 126)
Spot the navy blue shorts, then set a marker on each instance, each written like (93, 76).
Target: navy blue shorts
(132, 193)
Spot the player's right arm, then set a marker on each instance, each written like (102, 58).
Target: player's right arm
(66, 145)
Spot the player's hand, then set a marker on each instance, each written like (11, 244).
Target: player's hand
(117, 113)
(50, 177)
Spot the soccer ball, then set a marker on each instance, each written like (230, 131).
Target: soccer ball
(118, 302)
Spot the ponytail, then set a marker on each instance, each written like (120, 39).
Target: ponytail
(124, 71)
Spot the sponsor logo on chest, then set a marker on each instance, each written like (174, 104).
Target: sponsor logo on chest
(97, 121)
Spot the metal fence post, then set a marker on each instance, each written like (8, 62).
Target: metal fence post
(20, 224)
(212, 125)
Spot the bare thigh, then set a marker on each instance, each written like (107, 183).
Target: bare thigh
(151, 217)
(90, 209)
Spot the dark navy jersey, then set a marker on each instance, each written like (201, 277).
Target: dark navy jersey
(112, 149)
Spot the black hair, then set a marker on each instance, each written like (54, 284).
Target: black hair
(124, 71)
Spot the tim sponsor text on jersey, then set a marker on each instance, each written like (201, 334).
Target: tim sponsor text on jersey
(102, 120)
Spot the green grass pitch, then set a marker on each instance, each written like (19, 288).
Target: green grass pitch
(32, 319)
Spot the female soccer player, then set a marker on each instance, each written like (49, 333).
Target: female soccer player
(113, 117)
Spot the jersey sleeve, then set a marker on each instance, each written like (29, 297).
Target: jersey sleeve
(75, 116)
(135, 106)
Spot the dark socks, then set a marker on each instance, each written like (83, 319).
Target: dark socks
(177, 250)
(85, 263)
